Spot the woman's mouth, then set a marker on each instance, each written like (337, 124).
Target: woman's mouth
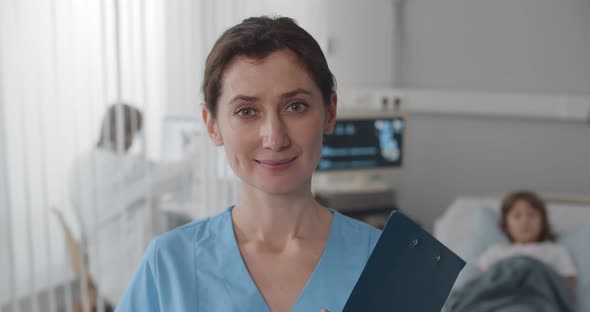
(277, 164)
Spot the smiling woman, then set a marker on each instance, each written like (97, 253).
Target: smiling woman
(269, 99)
(271, 123)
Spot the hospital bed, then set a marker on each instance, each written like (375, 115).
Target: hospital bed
(464, 225)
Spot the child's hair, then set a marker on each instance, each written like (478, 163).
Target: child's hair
(536, 203)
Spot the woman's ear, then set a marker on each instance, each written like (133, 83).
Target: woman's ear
(331, 114)
(212, 127)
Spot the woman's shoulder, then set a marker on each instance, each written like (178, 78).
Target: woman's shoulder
(356, 225)
(355, 230)
(171, 257)
(191, 234)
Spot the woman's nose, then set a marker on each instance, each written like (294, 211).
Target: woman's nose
(274, 134)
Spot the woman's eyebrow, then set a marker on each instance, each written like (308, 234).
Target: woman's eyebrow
(243, 98)
(295, 92)
(285, 95)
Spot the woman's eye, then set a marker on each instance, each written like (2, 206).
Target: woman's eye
(245, 112)
(296, 107)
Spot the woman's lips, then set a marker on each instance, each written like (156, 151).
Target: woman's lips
(277, 165)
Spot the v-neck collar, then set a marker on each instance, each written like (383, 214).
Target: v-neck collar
(240, 284)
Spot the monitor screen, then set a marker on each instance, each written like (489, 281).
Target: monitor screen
(363, 143)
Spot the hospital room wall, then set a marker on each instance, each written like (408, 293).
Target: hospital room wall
(528, 46)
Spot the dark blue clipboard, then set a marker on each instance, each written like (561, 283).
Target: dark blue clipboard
(408, 270)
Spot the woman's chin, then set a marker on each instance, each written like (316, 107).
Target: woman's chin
(283, 186)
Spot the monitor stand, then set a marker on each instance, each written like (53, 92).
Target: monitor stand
(366, 196)
(349, 182)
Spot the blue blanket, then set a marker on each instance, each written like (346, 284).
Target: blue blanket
(515, 284)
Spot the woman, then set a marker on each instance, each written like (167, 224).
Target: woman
(269, 98)
(108, 187)
(100, 202)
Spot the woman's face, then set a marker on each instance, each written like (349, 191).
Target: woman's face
(271, 118)
(524, 223)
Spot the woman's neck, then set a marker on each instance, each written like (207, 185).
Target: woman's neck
(279, 218)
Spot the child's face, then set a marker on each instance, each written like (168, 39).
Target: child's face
(523, 223)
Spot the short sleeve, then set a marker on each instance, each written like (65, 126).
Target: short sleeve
(564, 263)
(488, 258)
(142, 293)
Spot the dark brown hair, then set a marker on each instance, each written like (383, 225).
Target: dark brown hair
(536, 203)
(257, 37)
(132, 123)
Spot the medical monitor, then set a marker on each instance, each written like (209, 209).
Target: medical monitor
(364, 143)
(362, 152)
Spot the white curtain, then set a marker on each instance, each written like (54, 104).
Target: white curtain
(62, 63)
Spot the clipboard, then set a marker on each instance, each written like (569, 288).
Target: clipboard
(408, 270)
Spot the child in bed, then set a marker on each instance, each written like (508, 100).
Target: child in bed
(525, 222)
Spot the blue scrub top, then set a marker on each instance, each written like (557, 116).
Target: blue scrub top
(198, 267)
